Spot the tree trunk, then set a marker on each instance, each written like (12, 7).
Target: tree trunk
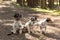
(43, 4)
(32, 3)
(51, 4)
(59, 2)
(21, 2)
(24, 3)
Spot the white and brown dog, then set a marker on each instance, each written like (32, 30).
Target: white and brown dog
(42, 24)
(30, 22)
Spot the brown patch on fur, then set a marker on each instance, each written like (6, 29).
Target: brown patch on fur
(49, 20)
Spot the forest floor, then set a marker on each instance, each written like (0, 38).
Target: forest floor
(6, 19)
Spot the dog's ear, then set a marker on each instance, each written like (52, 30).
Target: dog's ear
(49, 20)
(16, 15)
(35, 17)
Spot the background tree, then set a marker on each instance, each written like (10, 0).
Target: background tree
(32, 3)
(59, 2)
(51, 4)
(43, 4)
(20, 2)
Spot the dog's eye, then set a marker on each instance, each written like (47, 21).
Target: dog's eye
(32, 19)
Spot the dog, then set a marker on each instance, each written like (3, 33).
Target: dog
(17, 25)
(42, 24)
(30, 22)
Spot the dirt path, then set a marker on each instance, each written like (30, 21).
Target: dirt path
(6, 19)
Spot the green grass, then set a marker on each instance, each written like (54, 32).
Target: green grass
(42, 10)
(16, 5)
(50, 12)
(57, 12)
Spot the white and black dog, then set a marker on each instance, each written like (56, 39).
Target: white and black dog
(42, 24)
(17, 25)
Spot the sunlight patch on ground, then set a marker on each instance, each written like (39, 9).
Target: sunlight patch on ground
(50, 39)
(3, 6)
(7, 24)
(30, 37)
(1, 21)
(52, 29)
(7, 20)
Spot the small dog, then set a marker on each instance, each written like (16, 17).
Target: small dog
(42, 24)
(17, 25)
(30, 22)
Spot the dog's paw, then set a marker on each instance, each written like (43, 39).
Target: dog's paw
(43, 33)
(10, 33)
